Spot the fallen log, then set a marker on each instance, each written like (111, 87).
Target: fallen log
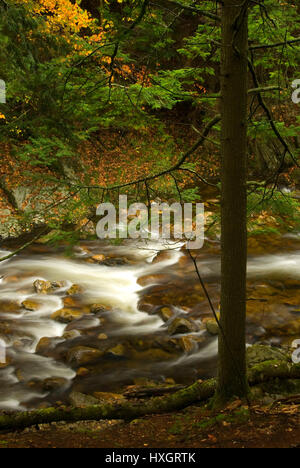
(124, 411)
(197, 392)
(148, 392)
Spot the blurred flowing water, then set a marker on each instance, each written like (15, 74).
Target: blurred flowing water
(117, 287)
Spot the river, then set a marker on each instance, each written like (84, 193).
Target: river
(118, 335)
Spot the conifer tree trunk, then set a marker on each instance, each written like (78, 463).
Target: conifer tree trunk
(232, 379)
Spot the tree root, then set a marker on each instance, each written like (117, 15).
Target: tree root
(197, 392)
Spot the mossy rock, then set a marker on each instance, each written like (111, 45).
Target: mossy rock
(80, 400)
(261, 353)
(212, 327)
(279, 388)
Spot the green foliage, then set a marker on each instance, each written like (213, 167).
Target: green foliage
(63, 90)
(273, 203)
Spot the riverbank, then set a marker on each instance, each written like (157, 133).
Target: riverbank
(267, 426)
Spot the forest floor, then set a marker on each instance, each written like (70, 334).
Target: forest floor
(272, 426)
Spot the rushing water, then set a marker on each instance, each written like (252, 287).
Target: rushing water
(114, 286)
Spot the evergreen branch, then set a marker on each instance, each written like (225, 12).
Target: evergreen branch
(176, 167)
(20, 249)
(271, 46)
(195, 10)
(269, 115)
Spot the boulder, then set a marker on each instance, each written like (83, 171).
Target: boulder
(43, 345)
(75, 289)
(98, 308)
(180, 325)
(80, 355)
(261, 353)
(54, 383)
(186, 343)
(43, 287)
(71, 334)
(212, 327)
(114, 261)
(31, 305)
(166, 313)
(80, 400)
(68, 315)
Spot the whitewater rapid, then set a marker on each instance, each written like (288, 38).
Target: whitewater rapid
(114, 286)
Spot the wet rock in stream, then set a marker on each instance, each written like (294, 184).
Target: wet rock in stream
(45, 344)
(83, 355)
(74, 290)
(31, 305)
(69, 315)
(181, 325)
(47, 287)
(166, 313)
(212, 327)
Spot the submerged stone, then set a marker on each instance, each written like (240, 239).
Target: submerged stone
(9, 306)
